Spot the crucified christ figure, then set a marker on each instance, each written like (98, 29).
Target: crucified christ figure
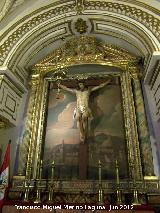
(83, 112)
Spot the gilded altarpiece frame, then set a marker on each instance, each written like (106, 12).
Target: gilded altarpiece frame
(136, 132)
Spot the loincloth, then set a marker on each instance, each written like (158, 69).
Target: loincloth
(82, 111)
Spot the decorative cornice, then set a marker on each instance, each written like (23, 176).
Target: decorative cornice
(148, 20)
(142, 4)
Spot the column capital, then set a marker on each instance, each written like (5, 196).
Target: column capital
(35, 80)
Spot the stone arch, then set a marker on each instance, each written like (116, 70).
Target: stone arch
(35, 35)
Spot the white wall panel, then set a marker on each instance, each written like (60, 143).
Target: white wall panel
(10, 100)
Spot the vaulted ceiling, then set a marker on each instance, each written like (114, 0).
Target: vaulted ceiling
(31, 29)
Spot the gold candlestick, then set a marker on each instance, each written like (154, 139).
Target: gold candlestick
(50, 196)
(135, 191)
(119, 196)
(100, 172)
(38, 191)
(38, 184)
(38, 196)
(26, 194)
(118, 191)
(27, 184)
(100, 190)
(100, 196)
(135, 197)
(117, 174)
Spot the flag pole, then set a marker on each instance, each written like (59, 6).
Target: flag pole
(9, 169)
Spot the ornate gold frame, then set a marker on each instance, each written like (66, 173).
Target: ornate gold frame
(87, 50)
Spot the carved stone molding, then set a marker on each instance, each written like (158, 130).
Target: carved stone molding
(29, 25)
(143, 17)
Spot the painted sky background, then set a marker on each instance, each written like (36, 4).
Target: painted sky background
(107, 114)
(60, 124)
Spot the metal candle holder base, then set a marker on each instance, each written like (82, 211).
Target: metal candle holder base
(26, 194)
(38, 196)
(135, 198)
(119, 196)
(100, 196)
(50, 195)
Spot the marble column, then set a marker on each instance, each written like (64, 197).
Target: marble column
(143, 132)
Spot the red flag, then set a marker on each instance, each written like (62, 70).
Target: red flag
(4, 174)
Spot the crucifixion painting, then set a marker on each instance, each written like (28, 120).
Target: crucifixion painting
(83, 111)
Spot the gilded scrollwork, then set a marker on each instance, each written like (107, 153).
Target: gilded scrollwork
(40, 136)
(79, 6)
(134, 71)
(131, 128)
(86, 49)
(27, 145)
(81, 26)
